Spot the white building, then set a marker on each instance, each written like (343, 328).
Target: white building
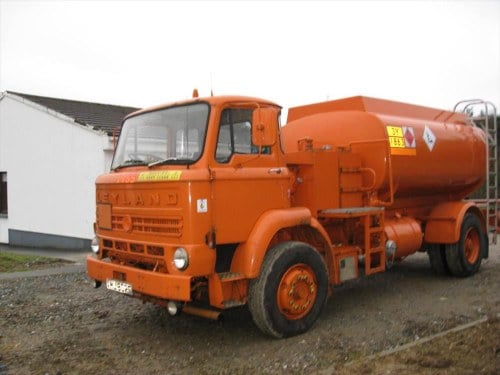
(51, 151)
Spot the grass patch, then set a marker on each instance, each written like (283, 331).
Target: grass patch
(10, 262)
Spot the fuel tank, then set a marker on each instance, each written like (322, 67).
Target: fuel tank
(428, 151)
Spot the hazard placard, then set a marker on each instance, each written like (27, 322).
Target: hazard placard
(429, 138)
(402, 140)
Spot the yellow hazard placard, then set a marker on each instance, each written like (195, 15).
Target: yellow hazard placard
(397, 142)
(395, 131)
(160, 176)
(402, 140)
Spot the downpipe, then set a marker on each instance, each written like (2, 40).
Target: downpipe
(202, 312)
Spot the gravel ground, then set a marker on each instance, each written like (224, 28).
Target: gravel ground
(59, 324)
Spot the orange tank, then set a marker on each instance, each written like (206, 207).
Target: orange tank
(433, 152)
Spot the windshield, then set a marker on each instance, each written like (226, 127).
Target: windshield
(169, 136)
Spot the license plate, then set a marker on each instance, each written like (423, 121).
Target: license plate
(119, 286)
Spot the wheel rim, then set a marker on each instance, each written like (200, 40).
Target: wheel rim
(297, 291)
(472, 246)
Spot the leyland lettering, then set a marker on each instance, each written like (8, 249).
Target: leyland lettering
(137, 199)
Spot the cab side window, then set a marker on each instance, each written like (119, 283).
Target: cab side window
(235, 135)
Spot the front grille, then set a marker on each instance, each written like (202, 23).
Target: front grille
(170, 226)
(119, 245)
(155, 250)
(134, 248)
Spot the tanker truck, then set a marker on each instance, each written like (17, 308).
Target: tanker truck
(211, 204)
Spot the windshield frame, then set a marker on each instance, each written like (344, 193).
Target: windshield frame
(167, 160)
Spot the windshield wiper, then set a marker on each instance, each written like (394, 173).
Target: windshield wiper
(130, 163)
(171, 160)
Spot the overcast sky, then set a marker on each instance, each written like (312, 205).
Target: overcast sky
(145, 53)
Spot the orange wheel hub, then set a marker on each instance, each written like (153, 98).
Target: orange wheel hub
(297, 291)
(472, 246)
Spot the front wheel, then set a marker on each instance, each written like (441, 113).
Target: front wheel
(464, 257)
(290, 292)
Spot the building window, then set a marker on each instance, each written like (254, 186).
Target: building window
(3, 193)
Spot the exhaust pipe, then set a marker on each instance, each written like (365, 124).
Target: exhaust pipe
(96, 283)
(175, 308)
(201, 312)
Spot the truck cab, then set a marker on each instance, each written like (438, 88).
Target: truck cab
(187, 184)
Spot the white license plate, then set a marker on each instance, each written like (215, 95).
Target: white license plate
(119, 286)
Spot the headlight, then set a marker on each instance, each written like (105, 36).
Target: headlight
(94, 245)
(181, 258)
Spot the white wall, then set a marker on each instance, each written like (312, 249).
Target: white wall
(51, 165)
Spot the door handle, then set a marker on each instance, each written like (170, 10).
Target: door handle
(274, 170)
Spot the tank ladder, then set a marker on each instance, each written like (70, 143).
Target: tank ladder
(487, 120)
(373, 241)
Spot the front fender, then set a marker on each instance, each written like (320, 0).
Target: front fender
(249, 255)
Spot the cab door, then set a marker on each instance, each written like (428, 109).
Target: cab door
(247, 180)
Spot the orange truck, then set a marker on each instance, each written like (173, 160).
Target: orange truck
(211, 204)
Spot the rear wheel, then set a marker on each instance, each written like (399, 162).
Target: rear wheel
(290, 292)
(437, 259)
(464, 257)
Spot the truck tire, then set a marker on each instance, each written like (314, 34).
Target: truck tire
(464, 257)
(290, 291)
(437, 259)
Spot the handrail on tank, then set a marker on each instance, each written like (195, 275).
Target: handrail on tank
(490, 203)
(377, 202)
(471, 102)
(475, 101)
(391, 184)
(468, 101)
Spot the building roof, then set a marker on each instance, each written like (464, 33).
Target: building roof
(105, 117)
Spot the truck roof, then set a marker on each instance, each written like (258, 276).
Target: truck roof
(211, 100)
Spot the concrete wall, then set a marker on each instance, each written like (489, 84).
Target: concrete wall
(44, 240)
(51, 164)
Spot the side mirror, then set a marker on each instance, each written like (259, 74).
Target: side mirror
(264, 126)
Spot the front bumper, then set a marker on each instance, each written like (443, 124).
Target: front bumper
(160, 285)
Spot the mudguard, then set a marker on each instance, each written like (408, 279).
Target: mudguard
(250, 254)
(444, 222)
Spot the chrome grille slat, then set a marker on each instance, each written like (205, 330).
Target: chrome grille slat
(170, 226)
